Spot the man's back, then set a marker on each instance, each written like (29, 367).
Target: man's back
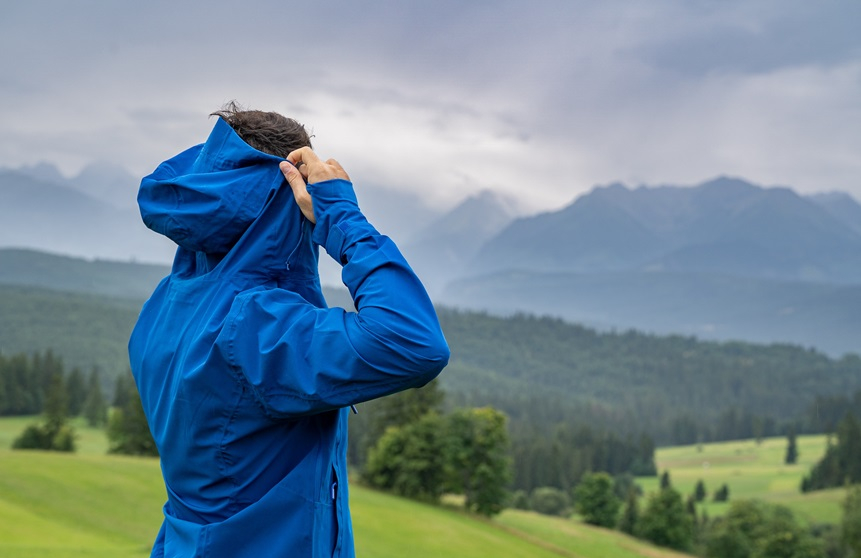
(245, 377)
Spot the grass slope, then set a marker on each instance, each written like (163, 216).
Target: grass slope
(98, 506)
(751, 470)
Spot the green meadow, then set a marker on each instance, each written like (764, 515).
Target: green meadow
(750, 470)
(97, 506)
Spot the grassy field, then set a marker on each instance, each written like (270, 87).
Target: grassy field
(97, 506)
(94, 505)
(751, 470)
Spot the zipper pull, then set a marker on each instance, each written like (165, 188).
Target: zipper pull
(355, 410)
(334, 486)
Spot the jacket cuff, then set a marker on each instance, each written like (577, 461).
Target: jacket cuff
(338, 216)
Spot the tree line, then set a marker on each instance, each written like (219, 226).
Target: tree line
(543, 372)
(27, 382)
(38, 384)
(841, 464)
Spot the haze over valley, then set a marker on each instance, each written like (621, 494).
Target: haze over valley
(724, 259)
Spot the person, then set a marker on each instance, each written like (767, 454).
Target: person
(245, 376)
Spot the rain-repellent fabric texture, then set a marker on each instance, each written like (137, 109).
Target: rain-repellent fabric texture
(245, 376)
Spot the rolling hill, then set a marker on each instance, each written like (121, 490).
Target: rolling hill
(98, 506)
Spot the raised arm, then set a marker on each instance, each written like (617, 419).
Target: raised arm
(300, 359)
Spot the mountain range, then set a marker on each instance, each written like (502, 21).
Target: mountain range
(725, 225)
(725, 259)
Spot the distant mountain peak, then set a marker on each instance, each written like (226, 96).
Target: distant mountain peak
(42, 171)
(490, 200)
(729, 182)
(724, 224)
(841, 206)
(104, 168)
(109, 182)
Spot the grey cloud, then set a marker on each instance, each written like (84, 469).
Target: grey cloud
(624, 86)
(764, 37)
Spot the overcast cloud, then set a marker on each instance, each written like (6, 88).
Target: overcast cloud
(539, 100)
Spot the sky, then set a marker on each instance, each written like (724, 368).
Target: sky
(538, 100)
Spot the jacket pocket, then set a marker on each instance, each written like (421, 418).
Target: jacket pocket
(327, 516)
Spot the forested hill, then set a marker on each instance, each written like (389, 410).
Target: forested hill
(32, 268)
(540, 371)
(680, 389)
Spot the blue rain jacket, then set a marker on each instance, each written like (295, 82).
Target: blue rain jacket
(245, 376)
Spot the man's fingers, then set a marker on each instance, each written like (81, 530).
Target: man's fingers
(293, 176)
(313, 169)
(303, 155)
(300, 191)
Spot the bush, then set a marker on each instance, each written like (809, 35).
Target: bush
(33, 437)
(39, 437)
(519, 500)
(549, 501)
(410, 460)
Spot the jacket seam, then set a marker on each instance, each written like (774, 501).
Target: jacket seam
(224, 455)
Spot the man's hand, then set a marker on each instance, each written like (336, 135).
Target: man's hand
(304, 164)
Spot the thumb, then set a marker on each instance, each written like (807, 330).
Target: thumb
(300, 192)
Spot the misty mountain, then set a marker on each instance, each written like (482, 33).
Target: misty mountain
(449, 243)
(46, 216)
(724, 226)
(396, 214)
(841, 206)
(722, 260)
(107, 182)
(94, 214)
(42, 171)
(708, 260)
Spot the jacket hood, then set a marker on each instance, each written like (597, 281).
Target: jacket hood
(205, 198)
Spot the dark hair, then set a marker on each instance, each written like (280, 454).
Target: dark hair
(265, 131)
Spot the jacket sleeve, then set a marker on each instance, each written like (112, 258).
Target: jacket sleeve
(300, 359)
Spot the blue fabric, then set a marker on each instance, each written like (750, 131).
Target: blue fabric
(245, 376)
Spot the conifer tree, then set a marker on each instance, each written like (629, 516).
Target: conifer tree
(850, 526)
(53, 433)
(665, 521)
(76, 392)
(722, 493)
(128, 431)
(595, 500)
(630, 513)
(95, 409)
(700, 491)
(791, 448)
